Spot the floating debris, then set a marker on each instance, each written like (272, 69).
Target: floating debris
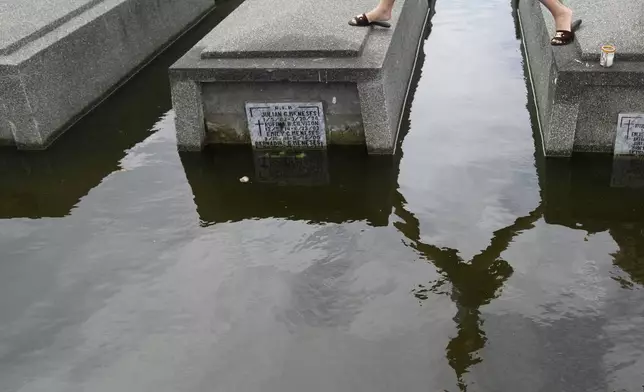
(583, 63)
(244, 179)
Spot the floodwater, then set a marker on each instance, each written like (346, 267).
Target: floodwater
(468, 262)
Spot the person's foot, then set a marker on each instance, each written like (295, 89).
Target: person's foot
(379, 15)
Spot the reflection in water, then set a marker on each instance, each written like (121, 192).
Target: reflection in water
(470, 285)
(581, 194)
(363, 188)
(357, 187)
(292, 168)
(576, 194)
(50, 183)
(104, 292)
(628, 172)
(630, 257)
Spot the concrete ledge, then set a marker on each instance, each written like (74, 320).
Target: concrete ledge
(59, 57)
(578, 100)
(299, 51)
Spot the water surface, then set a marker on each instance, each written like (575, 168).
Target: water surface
(466, 262)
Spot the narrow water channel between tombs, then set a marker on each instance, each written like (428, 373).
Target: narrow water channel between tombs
(467, 262)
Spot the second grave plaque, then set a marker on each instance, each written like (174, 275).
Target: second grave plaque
(629, 138)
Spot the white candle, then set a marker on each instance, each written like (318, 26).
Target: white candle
(607, 56)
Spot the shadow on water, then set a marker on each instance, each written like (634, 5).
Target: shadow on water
(50, 183)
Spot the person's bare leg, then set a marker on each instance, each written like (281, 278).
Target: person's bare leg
(561, 14)
(382, 12)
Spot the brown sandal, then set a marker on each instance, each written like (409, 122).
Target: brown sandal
(362, 21)
(564, 37)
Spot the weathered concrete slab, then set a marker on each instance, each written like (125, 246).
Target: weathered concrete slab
(287, 28)
(578, 100)
(58, 58)
(23, 21)
(305, 52)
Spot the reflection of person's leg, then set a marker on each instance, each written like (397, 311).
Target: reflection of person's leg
(381, 13)
(563, 21)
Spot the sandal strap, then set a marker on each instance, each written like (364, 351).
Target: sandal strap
(362, 19)
(562, 38)
(565, 35)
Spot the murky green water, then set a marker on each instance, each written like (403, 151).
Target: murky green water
(468, 262)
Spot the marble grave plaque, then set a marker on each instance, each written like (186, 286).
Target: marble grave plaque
(287, 125)
(629, 138)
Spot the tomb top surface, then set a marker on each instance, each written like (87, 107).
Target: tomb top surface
(22, 21)
(288, 28)
(618, 23)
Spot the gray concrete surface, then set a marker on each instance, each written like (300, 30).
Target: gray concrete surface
(296, 42)
(23, 21)
(619, 23)
(578, 100)
(287, 28)
(58, 58)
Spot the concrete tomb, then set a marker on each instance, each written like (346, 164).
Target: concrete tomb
(58, 58)
(582, 105)
(293, 74)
